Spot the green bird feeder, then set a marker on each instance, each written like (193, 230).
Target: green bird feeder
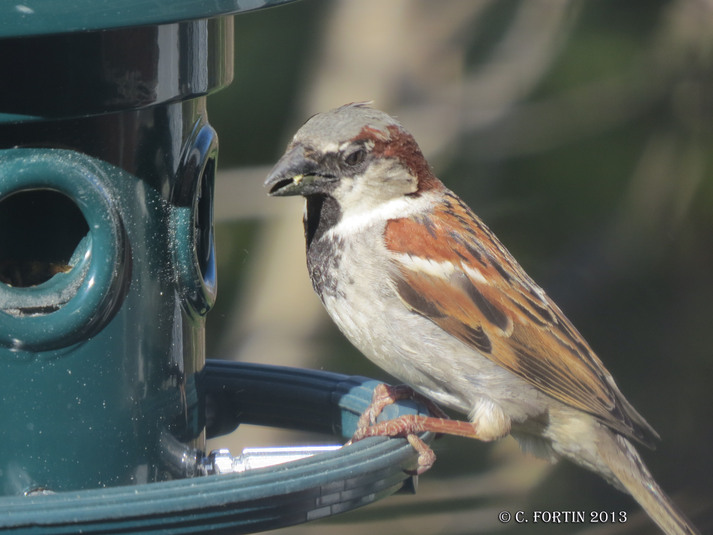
(107, 273)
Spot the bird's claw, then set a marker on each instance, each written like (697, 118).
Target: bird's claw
(405, 426)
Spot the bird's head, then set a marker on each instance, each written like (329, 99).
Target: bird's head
(359, 156)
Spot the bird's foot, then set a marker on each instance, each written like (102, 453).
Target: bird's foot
(385, 395)
(410, 424)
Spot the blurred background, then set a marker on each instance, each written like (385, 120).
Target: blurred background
(581, 131)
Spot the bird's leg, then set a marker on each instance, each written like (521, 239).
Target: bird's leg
(385, 395)
(410, 424)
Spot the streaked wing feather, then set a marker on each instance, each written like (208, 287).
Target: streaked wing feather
(497, 309)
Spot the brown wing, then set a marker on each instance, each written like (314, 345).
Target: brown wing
(473, 288)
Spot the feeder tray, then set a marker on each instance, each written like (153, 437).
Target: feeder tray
(254, 500)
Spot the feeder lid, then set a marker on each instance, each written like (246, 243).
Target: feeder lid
(40, 17)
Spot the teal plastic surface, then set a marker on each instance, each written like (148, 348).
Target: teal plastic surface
(62, 76)
(99, 362)
(83, 299)
(255, 500)
(196, 276)
(106, 177)
(39, 17)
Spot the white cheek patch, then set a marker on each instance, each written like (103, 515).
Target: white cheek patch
(357, 218)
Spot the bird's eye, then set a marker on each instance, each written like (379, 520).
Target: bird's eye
(355, 157)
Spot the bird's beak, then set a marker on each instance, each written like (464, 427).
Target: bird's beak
(296, 174)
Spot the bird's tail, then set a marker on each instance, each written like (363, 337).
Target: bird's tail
(630, 471)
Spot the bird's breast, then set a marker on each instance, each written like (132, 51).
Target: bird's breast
(351, 275)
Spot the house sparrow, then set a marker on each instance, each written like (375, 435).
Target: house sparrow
(419, 284)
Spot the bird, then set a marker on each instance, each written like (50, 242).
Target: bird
(424, 289)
